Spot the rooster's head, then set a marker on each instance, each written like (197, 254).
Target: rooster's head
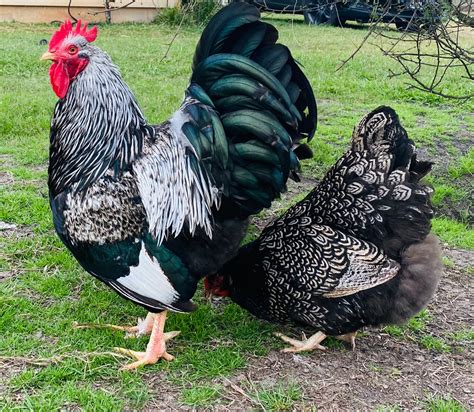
(70, 52)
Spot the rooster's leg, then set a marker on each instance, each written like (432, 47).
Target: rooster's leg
(349, 338)
(156, 347)
(306, 344)
(143, 327)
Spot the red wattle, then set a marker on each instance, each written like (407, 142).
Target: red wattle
(59, 78)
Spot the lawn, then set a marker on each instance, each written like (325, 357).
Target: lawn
(224, 358)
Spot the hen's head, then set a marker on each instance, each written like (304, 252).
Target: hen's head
(70, 51)
(216, 285)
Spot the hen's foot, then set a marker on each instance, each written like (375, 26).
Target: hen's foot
(156, 348)
(349, 338)
(305, 344)
(143, 327)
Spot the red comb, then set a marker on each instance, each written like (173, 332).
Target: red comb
(66, 29)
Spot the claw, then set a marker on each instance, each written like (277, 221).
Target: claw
(156, 348)
(306, 344)
(143, 327)
(142, 358)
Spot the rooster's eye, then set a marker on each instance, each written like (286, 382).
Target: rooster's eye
(72, 50)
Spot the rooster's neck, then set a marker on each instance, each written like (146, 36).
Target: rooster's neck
(97, 127)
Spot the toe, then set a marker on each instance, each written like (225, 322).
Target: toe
(166, 356)
(145, 359)
(287, 339)
(132, 353)
(170, 335)
(133, 366)
(291, 350)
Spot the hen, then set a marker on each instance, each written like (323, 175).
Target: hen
(148, 209)
(356, 251)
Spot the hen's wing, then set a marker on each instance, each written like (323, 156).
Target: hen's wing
(303, 259)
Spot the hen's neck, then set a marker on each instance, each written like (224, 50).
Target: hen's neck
(98, 126)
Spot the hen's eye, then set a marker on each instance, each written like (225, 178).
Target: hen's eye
(72, 50)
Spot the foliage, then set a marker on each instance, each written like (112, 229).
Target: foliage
(189, 12)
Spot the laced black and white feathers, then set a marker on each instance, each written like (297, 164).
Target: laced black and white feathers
(346, 255)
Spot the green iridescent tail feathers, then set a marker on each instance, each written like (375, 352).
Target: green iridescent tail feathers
(253, 108)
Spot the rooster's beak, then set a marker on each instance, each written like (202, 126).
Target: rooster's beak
(48, 56)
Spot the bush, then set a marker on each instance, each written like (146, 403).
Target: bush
(190, 12)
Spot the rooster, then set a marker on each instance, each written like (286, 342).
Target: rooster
(151, 209)
(356, 251)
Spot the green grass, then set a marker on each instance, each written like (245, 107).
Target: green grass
(416, 324)
(280, 397)
(443, 404)
(466, 335)
(433, 343)
(464, 167)
(48, 290)
(415, 330)
(200, 395)
(444, 192)
(448, 262)
(454, 233)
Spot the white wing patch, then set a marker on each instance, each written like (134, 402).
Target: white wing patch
(172, 191)
(369, 267)
(149, 280)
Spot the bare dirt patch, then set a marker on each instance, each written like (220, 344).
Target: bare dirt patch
(164, 395)
(10, 230)
(462, 259)
(6, 179)
(8, 370)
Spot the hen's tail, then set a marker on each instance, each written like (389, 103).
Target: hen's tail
(250, 105)
(381, 130)
(406, 207)
(373, 191)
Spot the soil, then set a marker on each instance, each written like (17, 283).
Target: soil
(6, 179)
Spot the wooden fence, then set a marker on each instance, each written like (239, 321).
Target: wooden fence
(46, 11)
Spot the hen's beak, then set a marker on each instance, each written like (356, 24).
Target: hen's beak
(48, 56)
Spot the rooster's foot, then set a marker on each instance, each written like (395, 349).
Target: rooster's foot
(306, 344)
(143, 327)
(156, 348)
(143, 358)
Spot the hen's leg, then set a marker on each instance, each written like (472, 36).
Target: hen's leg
(349, 338)
(305, 344)
(143, 327)
(156, 347)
